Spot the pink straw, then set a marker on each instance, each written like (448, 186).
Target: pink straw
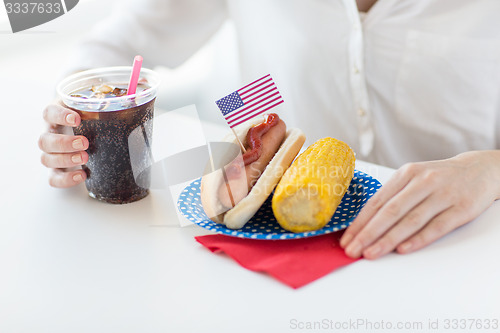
(134, 77)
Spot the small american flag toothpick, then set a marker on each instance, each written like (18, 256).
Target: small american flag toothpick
(251, 100)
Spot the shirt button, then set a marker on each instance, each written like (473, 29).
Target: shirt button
(361, 112)
(355, 70)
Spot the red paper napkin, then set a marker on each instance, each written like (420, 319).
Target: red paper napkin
(295, 262)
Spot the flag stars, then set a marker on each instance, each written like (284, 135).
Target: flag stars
(229, 103)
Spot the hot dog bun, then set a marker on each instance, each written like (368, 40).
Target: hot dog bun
(237, 216)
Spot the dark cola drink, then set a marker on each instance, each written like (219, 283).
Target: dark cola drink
(119, 129)
(111, 132)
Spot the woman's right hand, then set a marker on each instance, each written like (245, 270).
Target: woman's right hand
(63, 151)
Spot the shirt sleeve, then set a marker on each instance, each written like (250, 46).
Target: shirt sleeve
(164, 32)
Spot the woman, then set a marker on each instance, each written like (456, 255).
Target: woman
(401, 81)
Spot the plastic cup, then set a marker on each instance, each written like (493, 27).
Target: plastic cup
(119, 130)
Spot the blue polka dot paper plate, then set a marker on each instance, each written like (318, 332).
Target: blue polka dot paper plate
(263, 225)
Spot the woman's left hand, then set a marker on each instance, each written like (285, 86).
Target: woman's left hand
(423, 202)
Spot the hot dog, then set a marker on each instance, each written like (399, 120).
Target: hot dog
(262, 142)
(232, 197)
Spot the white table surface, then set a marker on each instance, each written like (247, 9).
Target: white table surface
(72, 264)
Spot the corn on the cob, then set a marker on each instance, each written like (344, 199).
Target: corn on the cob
(311, 189)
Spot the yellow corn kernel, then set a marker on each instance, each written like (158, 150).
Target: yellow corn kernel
(311, 189)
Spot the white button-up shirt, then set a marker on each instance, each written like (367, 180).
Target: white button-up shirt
(410, 80)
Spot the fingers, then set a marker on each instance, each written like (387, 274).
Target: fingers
(63, 151)
(63, 179)
(60, 143)
(375, 204)
(67, 160)
(387, 216)
(56, 114)
(410, 224)
(442, 224)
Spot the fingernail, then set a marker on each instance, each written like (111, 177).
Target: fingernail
(373, 251)
(78, 144)
(71, 119)
(353, 250)
(405, 247)
(77, 178)
(77, 159)
(345, 240)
